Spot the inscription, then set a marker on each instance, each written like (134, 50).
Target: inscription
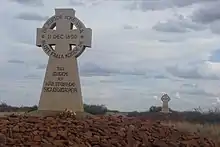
(60, 78)
(60, 68)
(60, 74)
(66, 84)
(75, 22)
(62, 36)
(52, 20)
(79, 46)
(58, 89)
(59, 85)
(51, 52)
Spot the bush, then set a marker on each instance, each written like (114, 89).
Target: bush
(95, 109)
(196, 116)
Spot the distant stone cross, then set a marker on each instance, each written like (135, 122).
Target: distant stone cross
(165, 99)
(61, 88)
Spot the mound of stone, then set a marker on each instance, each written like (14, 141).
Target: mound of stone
(64, 130)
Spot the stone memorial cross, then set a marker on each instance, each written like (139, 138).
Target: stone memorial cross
(63, 44)
(165, 99)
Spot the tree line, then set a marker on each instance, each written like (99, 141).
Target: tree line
(92, 109)
(196, 116)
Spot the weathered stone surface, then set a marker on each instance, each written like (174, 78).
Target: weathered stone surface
(165, 99)
(62, 76)
(64, 130)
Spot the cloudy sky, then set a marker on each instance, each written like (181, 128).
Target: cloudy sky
(140, 49)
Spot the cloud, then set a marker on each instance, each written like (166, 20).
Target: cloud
(41, 66)
(199, 71)
(90, 69)
(156, 97)
(129, 27)
(215, 56)
(32, 76)
(171, 40)
(169, 27)
(77, 2)
(15, 61)
(31, 16)
(197, 92)
(189, 85)
(160, 77)
(186, 74)
(94, 69)
(130, 66)
(85, 2)
(207, 14)
(177, 95)
(215, 27)
(217, 101)
(147, 5)
(29, 2)
(180, 25)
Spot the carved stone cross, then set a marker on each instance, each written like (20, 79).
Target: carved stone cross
(61, 88)
(165, 99)
(64, 36)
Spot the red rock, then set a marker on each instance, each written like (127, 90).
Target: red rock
(15, 128)
(53, 134)
(65, 130)
(2, 140)
(37, 138)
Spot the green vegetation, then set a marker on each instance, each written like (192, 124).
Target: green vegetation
(92, 109)
(196, 116)
(95, 109)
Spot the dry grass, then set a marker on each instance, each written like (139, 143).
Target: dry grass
(206, 130)
(9, 113)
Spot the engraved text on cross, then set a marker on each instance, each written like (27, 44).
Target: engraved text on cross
(63, 36)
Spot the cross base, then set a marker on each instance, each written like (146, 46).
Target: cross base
(45, 113)
(61, 88)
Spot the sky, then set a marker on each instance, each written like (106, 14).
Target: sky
(140, 50)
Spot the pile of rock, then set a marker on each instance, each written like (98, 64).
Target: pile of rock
(64, 130)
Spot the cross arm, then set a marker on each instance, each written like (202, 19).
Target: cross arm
(45, 36)
(86, 37)
(39, 37)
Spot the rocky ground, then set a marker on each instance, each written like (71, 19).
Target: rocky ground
(64, 130)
